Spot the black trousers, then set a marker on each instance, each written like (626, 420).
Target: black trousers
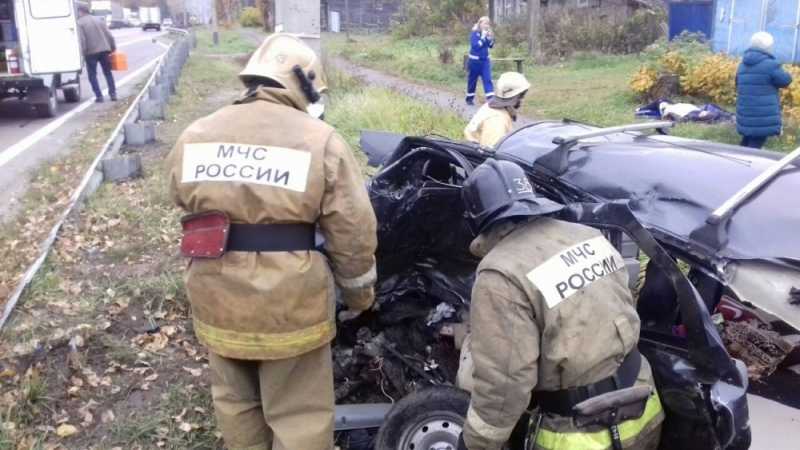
(91, 70)
(753, 141)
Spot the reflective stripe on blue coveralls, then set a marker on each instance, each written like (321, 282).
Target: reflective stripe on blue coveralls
(479, 65)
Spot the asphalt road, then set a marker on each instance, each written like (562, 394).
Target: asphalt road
(18, 119)
(26, 141)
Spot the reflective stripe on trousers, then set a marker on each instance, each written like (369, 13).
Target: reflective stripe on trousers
(260, 346)
(599, 440)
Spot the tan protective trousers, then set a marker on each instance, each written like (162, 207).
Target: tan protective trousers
(285, 404)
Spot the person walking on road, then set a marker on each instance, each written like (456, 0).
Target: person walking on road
(553, 321)
(496, 118)
(481, 39)
(258, 178)
(758, 103)
(97, 44)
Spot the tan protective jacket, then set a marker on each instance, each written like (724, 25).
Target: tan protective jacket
(550, 310)
(94, 35)
(266, 161)
(488, 126)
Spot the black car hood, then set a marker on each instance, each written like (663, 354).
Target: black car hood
(673, 185)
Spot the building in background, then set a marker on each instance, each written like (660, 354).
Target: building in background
(301, 17)
(609, 11)
(690, 16)
(735, 21)
(364, 15)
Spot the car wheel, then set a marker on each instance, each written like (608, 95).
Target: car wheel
(428, 419)
(49, 108)
(72, 94)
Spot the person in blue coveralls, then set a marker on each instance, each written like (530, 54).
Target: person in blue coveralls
(480, 41)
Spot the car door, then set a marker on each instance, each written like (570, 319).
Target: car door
(51, 35)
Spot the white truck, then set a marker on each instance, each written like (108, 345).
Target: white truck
(150, 17)
(40, 53)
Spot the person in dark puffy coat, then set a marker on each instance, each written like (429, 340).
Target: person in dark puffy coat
(758, 80)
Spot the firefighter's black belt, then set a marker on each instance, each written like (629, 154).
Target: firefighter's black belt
(245, 237)
(561, 402)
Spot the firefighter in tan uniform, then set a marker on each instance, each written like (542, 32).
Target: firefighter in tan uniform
(496, 117)
(265, 307)
(553, 321)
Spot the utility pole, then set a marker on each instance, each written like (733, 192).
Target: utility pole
(347, 19)
(534, 26)
(214, 27)
(492, 11)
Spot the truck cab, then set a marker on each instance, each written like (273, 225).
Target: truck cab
(150, 17)
(40, 53)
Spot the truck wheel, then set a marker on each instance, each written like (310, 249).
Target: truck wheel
(428, 419)
(72, 94)
(48, 108)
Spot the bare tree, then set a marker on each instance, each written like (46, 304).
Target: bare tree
(228, 10)
(534, 27)
(202, 9)
(265, 6)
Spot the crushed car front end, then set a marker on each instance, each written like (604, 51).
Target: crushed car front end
(426, 273)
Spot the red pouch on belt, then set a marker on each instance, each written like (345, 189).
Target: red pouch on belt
(205, 234)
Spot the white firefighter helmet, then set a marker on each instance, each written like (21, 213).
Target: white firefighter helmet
(277, 59)
(511, 84)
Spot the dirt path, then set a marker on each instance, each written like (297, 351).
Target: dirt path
(440, 98)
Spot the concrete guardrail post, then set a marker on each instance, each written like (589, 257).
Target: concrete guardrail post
(122, 168)
(151, 110)
(139, 133)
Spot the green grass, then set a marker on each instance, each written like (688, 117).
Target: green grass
(144, 428)
(384, 110)
(415, 59)
(141, 267)
(589, 87)
(230, 42)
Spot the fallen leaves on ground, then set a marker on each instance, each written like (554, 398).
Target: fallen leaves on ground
(66, 430)
(194, 372)
(152, 342)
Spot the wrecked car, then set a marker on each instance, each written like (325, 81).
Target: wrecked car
(714, 221)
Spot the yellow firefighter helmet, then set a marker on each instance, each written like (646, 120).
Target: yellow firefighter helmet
(290, 62)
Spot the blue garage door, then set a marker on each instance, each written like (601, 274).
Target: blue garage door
(747, 20)
(693, 17)
(780, 19)
(735, 21)
(722, 25)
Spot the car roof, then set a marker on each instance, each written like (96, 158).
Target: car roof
(674, 184)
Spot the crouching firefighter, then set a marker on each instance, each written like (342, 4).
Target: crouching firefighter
(496, 117)
(257, 178)
(554, 327)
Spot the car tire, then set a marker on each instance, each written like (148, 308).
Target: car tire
(49, 108)
(423, 419)
(72, 94)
